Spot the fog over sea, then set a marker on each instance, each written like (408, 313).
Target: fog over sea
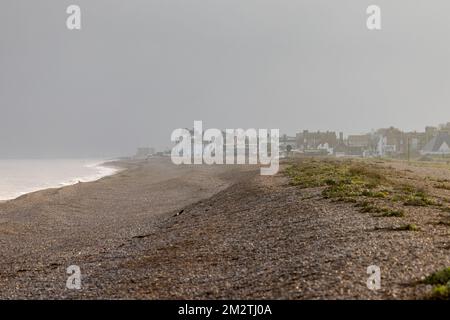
(21, 176)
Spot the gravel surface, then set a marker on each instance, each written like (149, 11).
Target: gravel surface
(157, 231)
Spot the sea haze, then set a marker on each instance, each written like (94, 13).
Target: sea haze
(21, 176)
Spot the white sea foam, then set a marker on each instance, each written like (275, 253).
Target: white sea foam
(21, 176)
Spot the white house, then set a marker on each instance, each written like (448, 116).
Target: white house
(440, 144)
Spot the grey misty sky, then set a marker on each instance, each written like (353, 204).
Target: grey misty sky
(139, 69)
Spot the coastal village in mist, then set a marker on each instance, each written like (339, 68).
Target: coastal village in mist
(385, 142)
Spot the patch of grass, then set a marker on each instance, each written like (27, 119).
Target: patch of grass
(370, 207)
(442, 186)
(375, 194)
(369, 175)
(406, 188)
(408, 227)
(333, 173)
(345, 199)
(419, 199)
(398, 198)
(343, 180)
(441, 282)
(343, 190)
(393, 213)
(441, 292)
(364, 203)
(440, 277)
(310, 174)
(355, 181)
(413, 196)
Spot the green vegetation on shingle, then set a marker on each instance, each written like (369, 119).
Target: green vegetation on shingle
(408, 227)
(420, 199)
(393, 213)
(441, 292)
(438, 277)
(353, 181)
(371, 207)
(441, 282)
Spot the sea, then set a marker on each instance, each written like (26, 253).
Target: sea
(21, 176)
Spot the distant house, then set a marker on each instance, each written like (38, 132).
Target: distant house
(440, 144)
(340, 150)
(325, 147)
(383, 148)
(286, 141)
(360, 140)
(394, 140)
(316, 141)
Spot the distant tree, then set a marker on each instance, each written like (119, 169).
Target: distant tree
(288, 149)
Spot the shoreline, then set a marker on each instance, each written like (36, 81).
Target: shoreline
(104, 168)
